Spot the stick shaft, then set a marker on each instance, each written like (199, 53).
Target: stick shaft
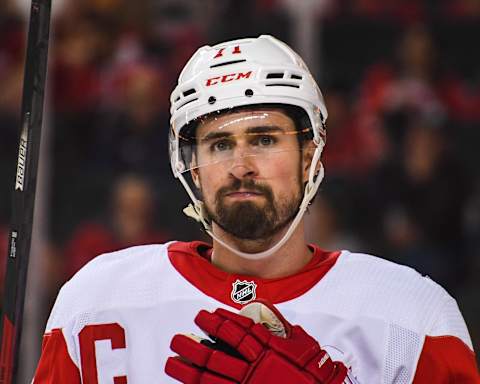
(23, 197)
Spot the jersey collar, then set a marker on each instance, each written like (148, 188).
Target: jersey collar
(192, 261)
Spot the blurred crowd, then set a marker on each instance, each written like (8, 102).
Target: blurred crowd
(401, 81)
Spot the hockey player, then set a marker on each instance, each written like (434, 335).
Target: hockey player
(247, 133)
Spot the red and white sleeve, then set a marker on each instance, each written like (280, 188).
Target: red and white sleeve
(447, 355)
(56, 365)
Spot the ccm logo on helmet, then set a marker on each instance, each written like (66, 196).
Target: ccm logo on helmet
(227, 78)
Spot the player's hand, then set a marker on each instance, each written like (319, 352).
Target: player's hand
(241, 350)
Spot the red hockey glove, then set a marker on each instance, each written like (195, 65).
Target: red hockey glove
(248, 352)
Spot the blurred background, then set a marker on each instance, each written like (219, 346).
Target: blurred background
(401, 81)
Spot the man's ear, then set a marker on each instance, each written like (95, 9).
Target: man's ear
(307, 156)
(195, 177)
(194, 171)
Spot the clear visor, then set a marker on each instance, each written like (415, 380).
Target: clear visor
(231, 137)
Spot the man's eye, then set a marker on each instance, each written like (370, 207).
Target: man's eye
(220, 146)
(265, 141)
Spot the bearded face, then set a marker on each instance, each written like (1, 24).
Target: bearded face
(251, 172)
(259, 217)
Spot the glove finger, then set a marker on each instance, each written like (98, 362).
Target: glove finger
(214, 360)
(219, 327)
(191, 350)
(186, 373)
(243, 321)
(212, 321)
(230, 332)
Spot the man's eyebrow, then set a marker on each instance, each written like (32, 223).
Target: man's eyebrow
(258, 129)
(264, 129)
(215, 135)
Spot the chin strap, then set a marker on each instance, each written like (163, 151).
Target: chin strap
(192, 212)
(197, 210)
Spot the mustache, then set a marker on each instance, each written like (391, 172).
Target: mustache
(248, 184)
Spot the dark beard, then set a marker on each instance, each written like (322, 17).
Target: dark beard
(248, 220)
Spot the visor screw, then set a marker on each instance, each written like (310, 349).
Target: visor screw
(249, 92)
(212, 100)
(180, 167)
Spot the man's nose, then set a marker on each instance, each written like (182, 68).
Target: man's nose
(243, 166)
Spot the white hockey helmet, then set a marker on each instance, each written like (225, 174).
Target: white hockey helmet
(251, 71)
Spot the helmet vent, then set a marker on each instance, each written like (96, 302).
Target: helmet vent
(283, 85)
(275, 75)
(186, 102)
(189, 92)
(227, 63)
(296, 77)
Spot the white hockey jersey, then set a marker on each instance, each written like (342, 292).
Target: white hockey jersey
(113, 321)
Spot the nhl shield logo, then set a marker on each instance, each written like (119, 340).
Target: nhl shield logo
(243, 291)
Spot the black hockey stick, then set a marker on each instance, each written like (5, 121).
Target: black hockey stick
(23, 197)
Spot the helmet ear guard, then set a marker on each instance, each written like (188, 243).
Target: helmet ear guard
(243, 73)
